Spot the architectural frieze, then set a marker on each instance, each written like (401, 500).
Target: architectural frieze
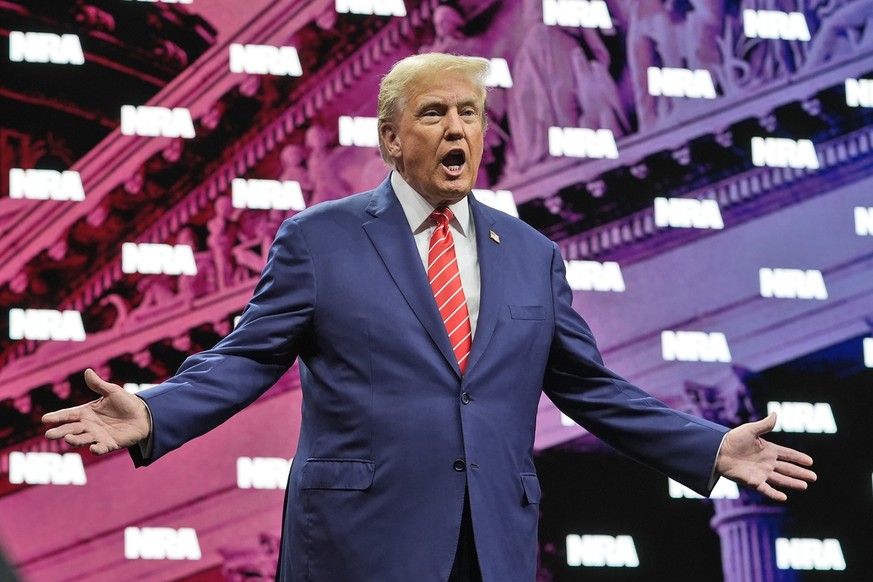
(741, 197)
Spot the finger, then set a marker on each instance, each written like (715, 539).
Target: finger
(99, 448)
(99, 385)
(772, 493)
(72, 414)
(793, 456)
(79, 440)
(60, 432)
(787, 482)
(763, 426)
(795, 472)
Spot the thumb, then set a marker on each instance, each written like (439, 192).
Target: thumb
(765, 425)
(99, 385)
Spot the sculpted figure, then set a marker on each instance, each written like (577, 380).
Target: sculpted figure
(845, 27)
(652, 41)
(704, 26)
(221, 239)
(597, 93)
(327, 184)
(557, 84)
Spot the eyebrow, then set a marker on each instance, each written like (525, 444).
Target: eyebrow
(439, 103)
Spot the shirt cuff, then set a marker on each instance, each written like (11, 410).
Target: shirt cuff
(147, 444)
(713, 476)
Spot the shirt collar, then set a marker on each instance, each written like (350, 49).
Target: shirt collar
(418, 210)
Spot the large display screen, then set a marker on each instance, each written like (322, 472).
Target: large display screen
(704, 166)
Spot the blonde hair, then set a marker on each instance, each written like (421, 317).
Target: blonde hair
(397, 84)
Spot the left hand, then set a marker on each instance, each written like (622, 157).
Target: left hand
(750, 460)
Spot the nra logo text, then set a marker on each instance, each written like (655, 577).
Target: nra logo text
(792, 284)
(868, 352)
(859, 92)
(500, 199)
(809, 554)
(260, 59)
(154, 259)
(46, 324)
(45, 47)
(694, 346)
(804, 417)
(267, 194)
(262, 472)
(45, 185)
(602, 550)
(46, 469)
(594, 276)
(133, 388)
(687, 213)
(359, 131)
(724, 489)
(498, 74)
(581, 142)
(775, 24)
(778, 152)
(693, 84)
(156, 121)
(577, 13)
(863, 221)
(161, 543)
(377, 7)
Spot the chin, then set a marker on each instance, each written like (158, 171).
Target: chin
(459, 187)
(454, 195)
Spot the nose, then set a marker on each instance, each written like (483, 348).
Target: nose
(453, 124)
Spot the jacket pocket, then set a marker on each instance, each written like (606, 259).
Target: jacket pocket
(527, 312)
(531, 486)
(341, 474)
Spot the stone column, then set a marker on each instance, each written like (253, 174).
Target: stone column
(747, 526)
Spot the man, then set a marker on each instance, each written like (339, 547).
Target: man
(415, 455)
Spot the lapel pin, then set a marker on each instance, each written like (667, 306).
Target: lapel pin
(494, 236)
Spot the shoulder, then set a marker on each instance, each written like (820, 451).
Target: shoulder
(332, 210)
(331, 217)
(355, 208)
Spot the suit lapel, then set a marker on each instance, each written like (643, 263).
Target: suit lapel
(390, 234)
(490, 277)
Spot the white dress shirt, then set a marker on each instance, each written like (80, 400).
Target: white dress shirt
(418, 211)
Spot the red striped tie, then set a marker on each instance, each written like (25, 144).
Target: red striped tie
(445, 280)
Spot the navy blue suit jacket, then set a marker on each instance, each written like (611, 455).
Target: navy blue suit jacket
(392, 434)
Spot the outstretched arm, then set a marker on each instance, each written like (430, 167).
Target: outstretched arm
(116, 420)
(750, 460)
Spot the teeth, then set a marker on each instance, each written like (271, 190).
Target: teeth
(454, 168)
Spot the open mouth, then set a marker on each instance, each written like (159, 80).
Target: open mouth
(454, 160)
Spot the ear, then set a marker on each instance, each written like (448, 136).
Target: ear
(391, 140)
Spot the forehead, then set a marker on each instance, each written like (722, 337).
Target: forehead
(451, 88)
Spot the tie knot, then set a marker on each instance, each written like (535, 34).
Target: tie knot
(442, 216)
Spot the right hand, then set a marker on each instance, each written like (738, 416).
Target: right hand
(116, 420)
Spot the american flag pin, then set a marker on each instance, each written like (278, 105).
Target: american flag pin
(494, 236)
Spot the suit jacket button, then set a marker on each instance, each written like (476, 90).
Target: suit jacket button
(459, 465)
(465, 398)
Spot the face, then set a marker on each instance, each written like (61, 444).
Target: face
(436, 141)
